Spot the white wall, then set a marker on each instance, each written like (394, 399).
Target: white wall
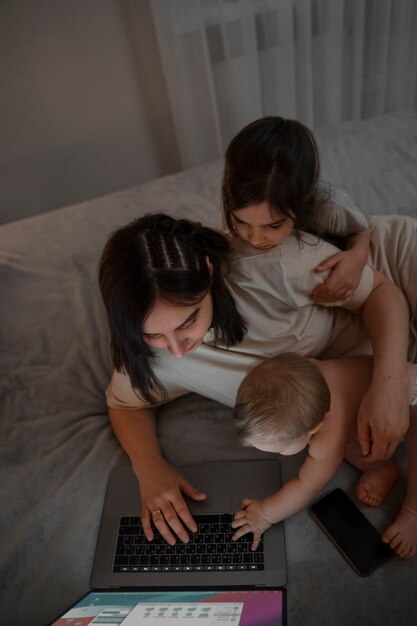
(73, 123)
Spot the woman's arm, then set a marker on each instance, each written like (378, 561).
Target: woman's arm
(383, 415)
(161, 485)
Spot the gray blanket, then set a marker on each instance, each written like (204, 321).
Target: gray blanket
(57, 447)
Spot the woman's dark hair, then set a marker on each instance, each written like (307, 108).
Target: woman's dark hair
(273, 160)
(159, 257)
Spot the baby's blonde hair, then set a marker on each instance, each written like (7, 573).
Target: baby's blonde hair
(285, 396)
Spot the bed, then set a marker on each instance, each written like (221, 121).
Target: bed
(57, 447)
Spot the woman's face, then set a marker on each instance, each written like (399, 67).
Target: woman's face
(261, 227)
(178, 329)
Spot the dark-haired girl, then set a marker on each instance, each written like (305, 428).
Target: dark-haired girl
(271, 186)
(186, 315)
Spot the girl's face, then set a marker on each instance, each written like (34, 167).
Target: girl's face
(260, 227)
(286, 447)
(178, 329)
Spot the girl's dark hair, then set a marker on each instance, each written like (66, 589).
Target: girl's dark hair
(159, 257)
(273, 160)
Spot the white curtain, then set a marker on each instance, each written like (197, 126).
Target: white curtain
(228, 62)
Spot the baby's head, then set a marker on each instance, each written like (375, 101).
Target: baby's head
(281, 403)
(269, 180)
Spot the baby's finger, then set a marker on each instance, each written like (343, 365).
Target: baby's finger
(244, 530)
(237, 523)
(256, 540)
(246, 502)
(239, 514)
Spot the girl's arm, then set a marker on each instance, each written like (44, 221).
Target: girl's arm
(346, 269)
(161, 485)
(337, 215)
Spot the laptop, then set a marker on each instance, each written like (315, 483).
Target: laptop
(210, 580)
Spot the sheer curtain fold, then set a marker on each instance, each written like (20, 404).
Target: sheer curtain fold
(228, 62)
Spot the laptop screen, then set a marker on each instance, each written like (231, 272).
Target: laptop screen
(166, 608)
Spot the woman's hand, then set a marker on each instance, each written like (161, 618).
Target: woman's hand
(162, 488)
(250, 519)
(161, 485)
(383, 416)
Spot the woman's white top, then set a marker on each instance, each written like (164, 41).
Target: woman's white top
(273, 293)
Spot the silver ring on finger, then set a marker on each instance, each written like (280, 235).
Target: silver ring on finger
(156, 512)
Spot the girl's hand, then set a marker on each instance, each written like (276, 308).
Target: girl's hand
(346, 271)
(250, 519)
(161, 488)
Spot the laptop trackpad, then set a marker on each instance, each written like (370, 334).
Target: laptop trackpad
(216, 481)
(226, 484)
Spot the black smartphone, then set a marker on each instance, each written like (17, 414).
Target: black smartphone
(352, 533)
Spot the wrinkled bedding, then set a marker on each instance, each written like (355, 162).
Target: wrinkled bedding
(57, 447)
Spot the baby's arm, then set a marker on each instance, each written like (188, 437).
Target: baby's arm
(346, 269)
(324, 457)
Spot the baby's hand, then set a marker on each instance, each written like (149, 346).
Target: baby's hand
(250, 519)
(346, 271)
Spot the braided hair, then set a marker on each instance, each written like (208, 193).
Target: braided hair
(157, 257)
(273, 160)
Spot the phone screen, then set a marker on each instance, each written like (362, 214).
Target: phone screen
(351, 531)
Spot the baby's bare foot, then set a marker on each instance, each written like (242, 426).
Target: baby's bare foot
(376, 483)
(402, 534)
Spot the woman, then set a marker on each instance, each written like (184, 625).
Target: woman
(166, 293)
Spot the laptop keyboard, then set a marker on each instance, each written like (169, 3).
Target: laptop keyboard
(209, 549)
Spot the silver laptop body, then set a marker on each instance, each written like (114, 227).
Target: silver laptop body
(225, 484)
